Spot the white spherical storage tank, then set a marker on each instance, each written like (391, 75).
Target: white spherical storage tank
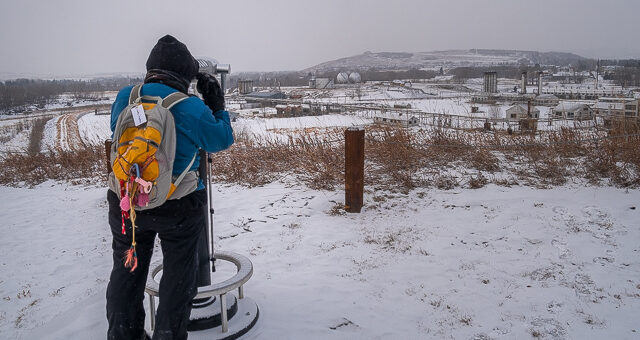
(354, 77)
(342, 78)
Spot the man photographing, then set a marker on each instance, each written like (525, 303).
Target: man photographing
(179, 221)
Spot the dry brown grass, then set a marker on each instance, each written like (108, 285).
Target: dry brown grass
(35, 138)
(392, 157)
(395, 159)
(316, 160)
(86, 166)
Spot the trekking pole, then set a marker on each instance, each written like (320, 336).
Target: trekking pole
(212, 67)
(211, 214)
(223, 70)
(205, 175)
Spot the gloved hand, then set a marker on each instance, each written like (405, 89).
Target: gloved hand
(211, 91)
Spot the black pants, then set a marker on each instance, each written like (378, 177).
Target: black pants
(179, 224)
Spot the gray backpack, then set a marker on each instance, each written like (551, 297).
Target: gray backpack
(143, 151)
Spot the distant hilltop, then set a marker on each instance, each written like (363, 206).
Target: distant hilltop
(446, 59)
(4, 76)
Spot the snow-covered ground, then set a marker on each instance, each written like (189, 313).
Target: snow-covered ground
(15, 129)
(270, 128)
(94, 129)
(492, 263)
(50, 134)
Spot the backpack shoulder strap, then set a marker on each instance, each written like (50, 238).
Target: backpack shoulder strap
(181, 177)
(135, 93)
(171, 100)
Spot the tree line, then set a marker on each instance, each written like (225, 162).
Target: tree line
(18, 94)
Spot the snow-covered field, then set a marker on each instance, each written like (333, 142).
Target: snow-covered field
(94, 129)
(492, 263)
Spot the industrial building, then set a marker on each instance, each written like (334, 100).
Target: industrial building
(572, 110)
(289, 110)
(245, 86)
(395, 119)
(620, 107)
(264, 99)
(520, 111)
(547, 100)
(321, 83)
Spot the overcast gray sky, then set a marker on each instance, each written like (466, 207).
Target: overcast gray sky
(71, 37)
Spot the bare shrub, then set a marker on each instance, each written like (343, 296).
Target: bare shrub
(321, 162)
(477, 182)
(566, 142)
(448, 145)
(393, 152)
(337, 209)
(8, 132)
(600, 162)
(483, 159)
(616, 158)
(445, 182)
(550, 170)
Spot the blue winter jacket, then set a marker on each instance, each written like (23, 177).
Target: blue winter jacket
(196, 126)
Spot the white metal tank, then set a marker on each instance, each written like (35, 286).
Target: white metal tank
(354, 77)
(342, 78)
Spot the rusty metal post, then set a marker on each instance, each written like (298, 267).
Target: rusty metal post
(107, 152)
(354, 169)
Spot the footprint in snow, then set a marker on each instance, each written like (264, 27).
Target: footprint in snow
(343, 324)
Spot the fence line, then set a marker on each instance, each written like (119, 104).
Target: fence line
(510, 146)
(417, 145)
(471, 146)
(434, 119)
(371, 139)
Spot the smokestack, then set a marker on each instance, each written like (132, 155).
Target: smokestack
(540, 83)
(523, 86)
(597, 73)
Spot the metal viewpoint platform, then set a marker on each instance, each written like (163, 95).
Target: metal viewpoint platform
(217, 313)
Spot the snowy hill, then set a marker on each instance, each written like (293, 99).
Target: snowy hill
(448, 59)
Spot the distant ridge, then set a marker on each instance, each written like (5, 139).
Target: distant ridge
(4, 76)
(447, 59)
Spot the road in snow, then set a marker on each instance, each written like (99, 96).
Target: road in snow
(67, 132)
